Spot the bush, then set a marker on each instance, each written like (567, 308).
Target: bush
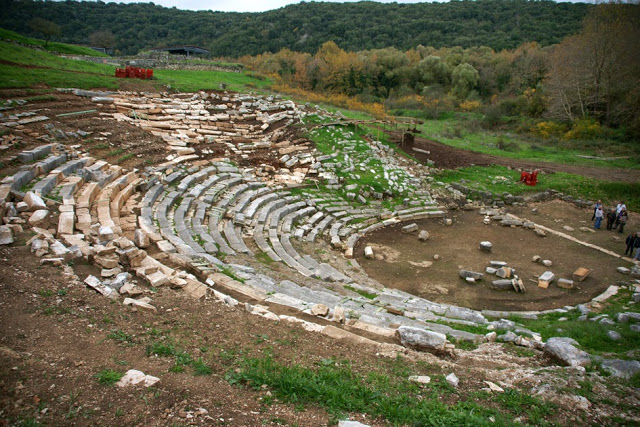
(585, 129)
(549, 129)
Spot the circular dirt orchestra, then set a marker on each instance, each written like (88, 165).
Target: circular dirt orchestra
(403, 262)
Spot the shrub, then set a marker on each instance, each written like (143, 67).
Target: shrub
(549, 129)
(585, 129)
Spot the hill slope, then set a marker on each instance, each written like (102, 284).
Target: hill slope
(305, 26)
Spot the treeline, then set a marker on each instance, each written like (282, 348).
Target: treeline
(592, 76)
(305, 27)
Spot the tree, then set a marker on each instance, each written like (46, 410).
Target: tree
(104, 39)
(48, 29)
(464, 79)
(596, 73)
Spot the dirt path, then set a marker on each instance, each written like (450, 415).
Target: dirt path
(448, 157)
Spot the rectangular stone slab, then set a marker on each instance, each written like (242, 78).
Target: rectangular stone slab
(580, 274)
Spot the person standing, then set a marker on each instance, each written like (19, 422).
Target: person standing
(621, 206)
(622, 220)
(611, 218)
(595, 208)
(631, 241)
(636, 246)
(598, 214)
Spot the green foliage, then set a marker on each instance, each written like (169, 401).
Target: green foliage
(499, 179)
(361, 292)
(51, 46)
(340, 390)
(120, 336)
(200, 368)
(109, 377)
(353, 26)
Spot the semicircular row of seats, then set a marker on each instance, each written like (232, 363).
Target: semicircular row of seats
(208, 219)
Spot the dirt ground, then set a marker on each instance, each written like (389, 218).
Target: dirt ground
(447, 157)
(54, 340)
(56, 336)
(403, 262)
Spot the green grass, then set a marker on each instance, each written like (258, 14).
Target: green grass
(461, 130)
(120, 336)
(109, 377)
(20, 77)
(483, 178)
(37, 67)
(336, 387)
(37, 58)
(365, 294)
(192, 81)
(124, 158)
(592, 336)
(51, 46)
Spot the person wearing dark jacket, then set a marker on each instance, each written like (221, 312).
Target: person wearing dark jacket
(631, 241)
(622, 220)
(611, 218)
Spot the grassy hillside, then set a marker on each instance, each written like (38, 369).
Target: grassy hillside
(26, 68)
(51, 46)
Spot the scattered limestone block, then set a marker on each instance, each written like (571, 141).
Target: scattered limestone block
(623, 270)
(540, 232)
(448, 221)
(565, 283)
(474, 275)
(134, 377)
(142, 304)
(410, 228)
(65, 223)
(452, 379)
(486, 246)
(504, 272)
(490, 270)
(536, 258)
(368, 252)
(40, 218)
(6, 235)
(339, 315)
(96, 284)
(141, 239)
(157, 279)
(421, 339)
(494, 387)
(320, 310)
(34, 202)
(545, 279)
(39, 247)
(547, 262)
(423, 236)
(107, 262)
(580, 274)
(420, 379)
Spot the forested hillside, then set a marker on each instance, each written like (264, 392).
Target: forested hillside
(304, 27)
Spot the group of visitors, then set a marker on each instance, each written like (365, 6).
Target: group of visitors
(616, 217)
(616, 220)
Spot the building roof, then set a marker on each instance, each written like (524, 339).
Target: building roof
(184, 48)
